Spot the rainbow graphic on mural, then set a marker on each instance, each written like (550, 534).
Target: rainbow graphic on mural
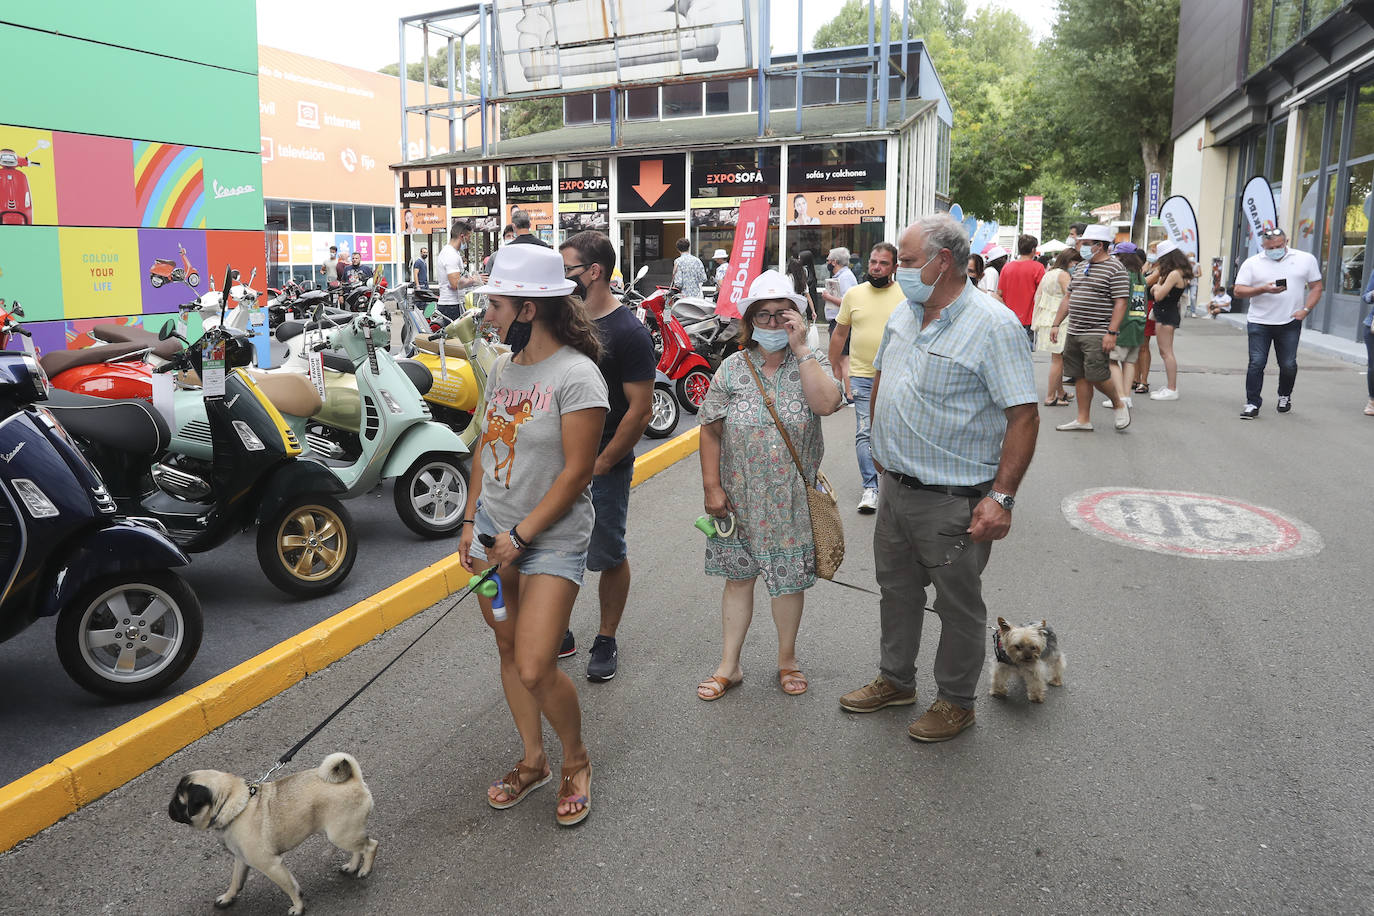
(169, 185)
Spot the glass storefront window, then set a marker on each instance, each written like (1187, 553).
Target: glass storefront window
(578, 109)
(322, 218)
(1333, 149)
(277, 213)
(727, 96)
(641, 104)
(299, 217)
(1362, 131)
(343, 218)
(1355, 237)
(1261, 147)
(1306, 234)
(1329, 225)
(1313, 119)
(1278, 147)
(382, 219)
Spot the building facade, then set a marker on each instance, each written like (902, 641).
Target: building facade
(1282, 89)
(118, 171)
(838, 172)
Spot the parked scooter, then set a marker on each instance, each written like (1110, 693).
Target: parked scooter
(712, 335)
(165, 270)
(16, 200)
(246, 475)
(127, 626)
(690, 372)
(375, 425)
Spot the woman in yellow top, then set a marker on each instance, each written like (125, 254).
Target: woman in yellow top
(1054, 286)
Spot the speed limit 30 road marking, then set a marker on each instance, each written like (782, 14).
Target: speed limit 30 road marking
(1194, 525)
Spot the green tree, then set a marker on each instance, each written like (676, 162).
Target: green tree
(1105, 88)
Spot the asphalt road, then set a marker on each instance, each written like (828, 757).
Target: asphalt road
(1210, 752)
(45, 714)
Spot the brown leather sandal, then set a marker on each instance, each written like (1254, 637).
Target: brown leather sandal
(566, 793)
(789, 678)
(518, 783)
(716, 687)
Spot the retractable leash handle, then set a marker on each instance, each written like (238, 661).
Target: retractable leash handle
(491, 588)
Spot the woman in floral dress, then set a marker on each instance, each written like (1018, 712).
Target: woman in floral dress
(748, 472)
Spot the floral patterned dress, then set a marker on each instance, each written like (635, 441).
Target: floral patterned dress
(773, 524)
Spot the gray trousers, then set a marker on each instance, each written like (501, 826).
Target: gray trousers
(916, 529)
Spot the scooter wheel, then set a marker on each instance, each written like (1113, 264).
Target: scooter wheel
(156, 280)
(193, 279)
(307, 547)
(692, 388)
(664, 412)
(431, 496)
(129, 636)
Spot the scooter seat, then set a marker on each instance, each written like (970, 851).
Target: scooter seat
(289, 329)
(168, 262)
(311, 296)
(130, 333)
(338, 361)
(289, 392)
(453, 348)
(129, 426)
(418, 373)
(59, 361)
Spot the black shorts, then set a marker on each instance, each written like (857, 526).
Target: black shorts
(1168, 314)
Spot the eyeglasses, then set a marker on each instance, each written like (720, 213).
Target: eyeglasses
(772, 319)
(953, 554)
(571, 267)
(1273, 232)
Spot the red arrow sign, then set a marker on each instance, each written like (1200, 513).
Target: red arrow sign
(651, 186)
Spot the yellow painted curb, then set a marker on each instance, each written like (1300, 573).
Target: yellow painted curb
(39, 799)
(666, 455)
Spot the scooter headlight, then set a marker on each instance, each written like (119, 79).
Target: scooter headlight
(35, 500)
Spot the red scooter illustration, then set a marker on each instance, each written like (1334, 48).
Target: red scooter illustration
(16, 201)
(677, 359)
(166, 271)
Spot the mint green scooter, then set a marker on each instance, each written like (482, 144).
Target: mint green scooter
(374, 425)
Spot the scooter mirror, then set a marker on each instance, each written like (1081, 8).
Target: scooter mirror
(640, 274)
(17, 309)
(168, 330)
(42, 144)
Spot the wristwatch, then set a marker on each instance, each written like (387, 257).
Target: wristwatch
(1005, 500)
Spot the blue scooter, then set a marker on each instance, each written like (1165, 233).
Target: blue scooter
(127, 626)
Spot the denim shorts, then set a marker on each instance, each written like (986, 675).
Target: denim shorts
(611, 500)
(534, 561)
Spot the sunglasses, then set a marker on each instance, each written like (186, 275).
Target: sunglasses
(953, 554)
(1272, 233)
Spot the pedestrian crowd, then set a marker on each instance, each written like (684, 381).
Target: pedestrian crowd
(933, 348)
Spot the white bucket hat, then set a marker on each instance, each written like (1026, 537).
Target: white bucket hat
(1097, 233)
(771, 285)
(995, 252)
(720, 253)
(530, 271)
(1165, 247)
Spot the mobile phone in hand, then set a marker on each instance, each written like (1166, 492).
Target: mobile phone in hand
(1281, 283)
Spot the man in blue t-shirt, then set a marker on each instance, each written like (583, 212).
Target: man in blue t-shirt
(419, 270)
(629, 367)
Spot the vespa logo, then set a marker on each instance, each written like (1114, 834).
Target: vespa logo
(10, 457)
(221, 191)
(232, 401)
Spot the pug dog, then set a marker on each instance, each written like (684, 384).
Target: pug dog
(259, 823)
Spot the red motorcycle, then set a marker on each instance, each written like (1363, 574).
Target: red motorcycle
(677, 358)
(16, 201)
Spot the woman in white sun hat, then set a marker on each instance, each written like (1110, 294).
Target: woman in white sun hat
(747, 471)
(531, 493)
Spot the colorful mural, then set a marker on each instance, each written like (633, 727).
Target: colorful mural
(169, 185)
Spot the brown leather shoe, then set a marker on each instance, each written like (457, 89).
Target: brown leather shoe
(942, 721)
(873, 697)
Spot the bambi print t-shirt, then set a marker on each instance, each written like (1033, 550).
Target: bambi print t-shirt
(522, 442)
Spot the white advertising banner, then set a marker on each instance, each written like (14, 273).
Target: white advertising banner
(1261, 212)
(1033, 212)
(1181, 223)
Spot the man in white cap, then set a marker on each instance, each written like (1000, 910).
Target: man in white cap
(995, 258)
(722, 264)
(1095, 306)
(1283, 285)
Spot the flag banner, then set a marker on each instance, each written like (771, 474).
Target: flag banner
(746, 255)
(1261, 212)
(1181, 223)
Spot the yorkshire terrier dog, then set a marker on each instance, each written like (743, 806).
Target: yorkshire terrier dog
(1030, 652)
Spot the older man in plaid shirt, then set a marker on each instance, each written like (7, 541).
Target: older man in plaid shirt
(953, 430)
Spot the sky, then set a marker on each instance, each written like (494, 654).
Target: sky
(363, 33)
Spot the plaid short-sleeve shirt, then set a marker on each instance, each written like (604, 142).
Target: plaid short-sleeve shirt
(939, 414)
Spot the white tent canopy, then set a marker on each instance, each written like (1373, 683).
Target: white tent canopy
(1052, 246)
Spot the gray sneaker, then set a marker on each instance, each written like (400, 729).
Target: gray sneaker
(603, 659)
(875, 696)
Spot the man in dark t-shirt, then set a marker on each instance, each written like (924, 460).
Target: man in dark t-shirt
(629, 367)
(419, 270)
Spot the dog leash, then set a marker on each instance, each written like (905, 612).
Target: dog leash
(286, 758)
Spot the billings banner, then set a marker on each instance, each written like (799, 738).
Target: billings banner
(746, 255)
(1181, 223)
(1257, 203)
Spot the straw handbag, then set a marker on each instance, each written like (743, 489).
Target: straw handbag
(826, 530)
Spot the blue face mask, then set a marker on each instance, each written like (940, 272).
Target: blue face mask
(1275, 254)
(916, 290)
(771, 339)
(1085, 252)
